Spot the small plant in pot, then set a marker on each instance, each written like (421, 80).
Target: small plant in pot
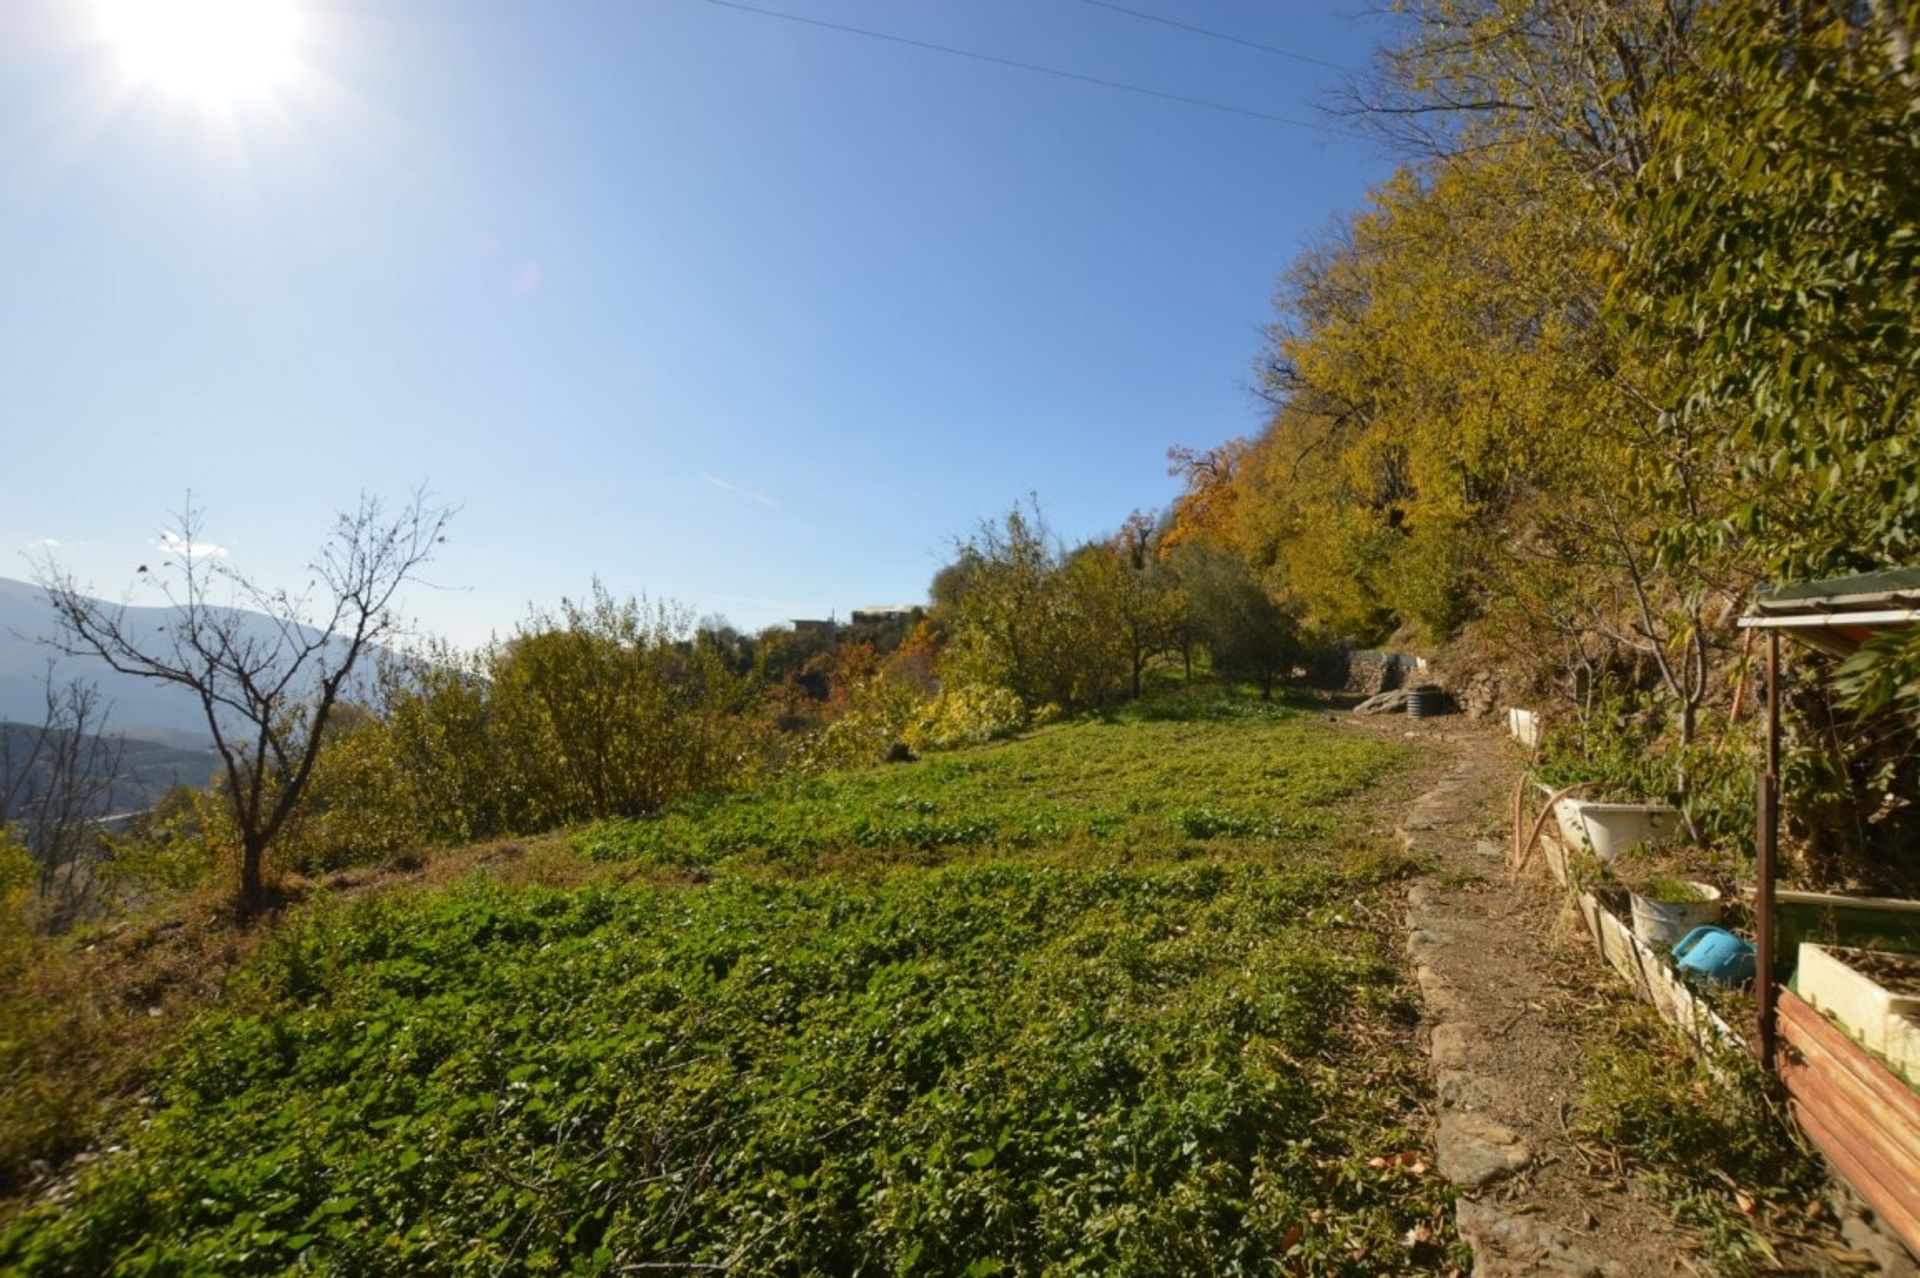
(1668, 897)
(1665, 909)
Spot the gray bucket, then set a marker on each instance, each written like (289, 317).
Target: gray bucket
(1426, 701)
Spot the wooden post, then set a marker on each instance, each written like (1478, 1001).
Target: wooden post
(1766, 836)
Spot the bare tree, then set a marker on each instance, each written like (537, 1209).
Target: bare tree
(268, 666)
(1466, 75)
(56, 782)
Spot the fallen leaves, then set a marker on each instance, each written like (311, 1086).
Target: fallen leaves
(1411, 1161)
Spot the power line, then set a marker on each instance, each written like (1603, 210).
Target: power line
(1035, 67)
(1274, 49)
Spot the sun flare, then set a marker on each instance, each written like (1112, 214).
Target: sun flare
(221, 52)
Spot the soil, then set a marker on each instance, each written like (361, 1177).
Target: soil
(1896, 973)
(1504, 967)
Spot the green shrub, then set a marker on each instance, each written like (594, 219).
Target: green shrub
(605, 709)
(1613, 749)
(967, 714)
(879, 713)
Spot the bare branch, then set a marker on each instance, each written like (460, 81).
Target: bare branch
(56, 782)
(267, 665)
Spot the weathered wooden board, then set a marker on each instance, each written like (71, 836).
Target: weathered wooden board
(1654, 979)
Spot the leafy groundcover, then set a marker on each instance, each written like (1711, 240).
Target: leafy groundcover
(991, 1066)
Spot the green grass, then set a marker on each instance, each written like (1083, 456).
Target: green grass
(1126, 1048)
(1179, 776)
(1715, 1149)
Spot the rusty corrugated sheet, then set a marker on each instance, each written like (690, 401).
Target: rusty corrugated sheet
(1863, 1117)
(1859, 1082)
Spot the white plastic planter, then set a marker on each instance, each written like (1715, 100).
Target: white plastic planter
(1903, 1044)
(1524, 725)
(1610, 829)
(1879, 1019)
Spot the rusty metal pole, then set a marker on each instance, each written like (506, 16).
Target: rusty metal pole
(1766, 837)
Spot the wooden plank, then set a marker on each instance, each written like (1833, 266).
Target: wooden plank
(1616, 945)
(1877, 904)
(1834, 1071)
(1590, 912)
(1556, 855)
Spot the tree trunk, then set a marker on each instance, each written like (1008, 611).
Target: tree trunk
(253, 892)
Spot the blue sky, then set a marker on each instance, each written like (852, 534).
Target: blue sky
(751, 315)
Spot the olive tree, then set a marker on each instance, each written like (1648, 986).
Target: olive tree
(1248, 634)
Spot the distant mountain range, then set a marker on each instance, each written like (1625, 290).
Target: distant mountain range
(139, 709)
(164, 729)
(148, 769)
(165, 738)
(143, 709)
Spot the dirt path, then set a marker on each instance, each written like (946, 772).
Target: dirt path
(1506, 1068)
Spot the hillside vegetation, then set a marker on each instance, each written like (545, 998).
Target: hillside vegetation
(1628, 335)
(1094, 986)
(1193, 773)
(1105, 999)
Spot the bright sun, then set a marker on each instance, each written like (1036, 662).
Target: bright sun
(218, 51)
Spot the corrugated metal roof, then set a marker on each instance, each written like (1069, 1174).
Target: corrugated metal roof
(1840, 614)
(1888, 588)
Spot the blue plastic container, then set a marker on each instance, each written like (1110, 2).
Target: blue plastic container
(1716, 954)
